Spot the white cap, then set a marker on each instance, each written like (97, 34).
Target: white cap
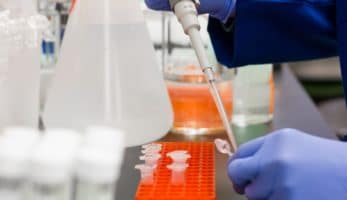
(179, 156)
(106, 138)
(15, 149)
(97, 166)
(152, 146)
(65, 140)
(22, 136)
(50, 165)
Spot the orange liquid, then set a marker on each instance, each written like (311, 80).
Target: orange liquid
(194, 106)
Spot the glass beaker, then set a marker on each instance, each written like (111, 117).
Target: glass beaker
(195, 111)
(254, 92)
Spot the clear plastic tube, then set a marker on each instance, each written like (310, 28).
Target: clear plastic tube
(97, 172)
(147, 174)
(178, 173)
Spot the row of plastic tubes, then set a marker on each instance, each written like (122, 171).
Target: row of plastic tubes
(152, 155)
(60, 164)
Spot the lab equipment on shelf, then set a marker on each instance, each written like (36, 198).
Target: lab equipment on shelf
(115, 79)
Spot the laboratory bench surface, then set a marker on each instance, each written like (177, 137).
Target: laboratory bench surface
(293, 109)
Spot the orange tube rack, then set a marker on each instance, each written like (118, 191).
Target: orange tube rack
(200, 175)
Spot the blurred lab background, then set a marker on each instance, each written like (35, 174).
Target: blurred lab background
(321, 78)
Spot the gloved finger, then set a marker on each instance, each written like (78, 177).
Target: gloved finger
(243, 171)
(261, 187)
(239, 189)
(248, 149)
(158, 4)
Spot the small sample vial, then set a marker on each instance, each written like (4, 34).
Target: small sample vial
(97, 173)
(14, 158)
(178, 173)
(147, 173)
(51, 169)
(69, 140)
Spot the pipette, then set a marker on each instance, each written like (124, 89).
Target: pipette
(187, 14)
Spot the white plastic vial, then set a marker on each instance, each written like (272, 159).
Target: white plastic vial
(107, 138)
(97, 173)
(67, 141)
(15, 150)
(51, 173)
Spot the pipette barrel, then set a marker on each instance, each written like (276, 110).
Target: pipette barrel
(186, 13)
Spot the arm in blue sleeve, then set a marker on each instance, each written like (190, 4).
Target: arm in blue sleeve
(273, 31)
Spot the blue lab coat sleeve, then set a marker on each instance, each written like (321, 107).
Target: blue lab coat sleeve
(274, 31)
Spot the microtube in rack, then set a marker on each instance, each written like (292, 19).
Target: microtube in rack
(147, 174)
(199, 176)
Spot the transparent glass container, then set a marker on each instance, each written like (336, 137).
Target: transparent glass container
(195, 111)
(254, 92)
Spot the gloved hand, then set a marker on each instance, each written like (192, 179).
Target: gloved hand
(220, 9)
(290, 165)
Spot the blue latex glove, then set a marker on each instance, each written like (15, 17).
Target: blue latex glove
(220, 9)
(290, 165)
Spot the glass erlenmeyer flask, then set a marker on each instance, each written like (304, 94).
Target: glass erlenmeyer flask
(107, 74)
